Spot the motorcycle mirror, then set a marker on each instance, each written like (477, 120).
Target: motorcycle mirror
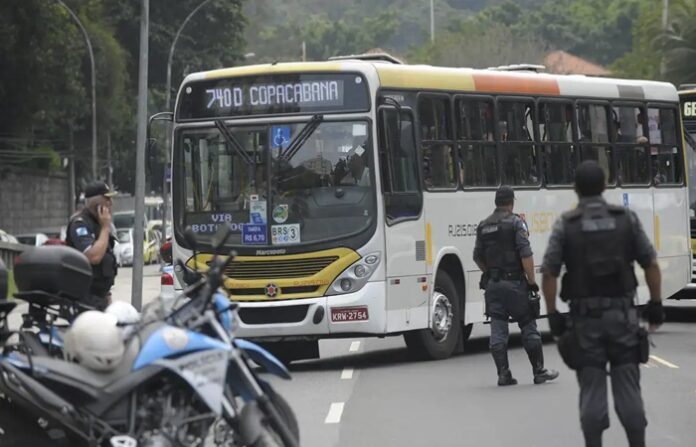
(221, 235)
(190, 238)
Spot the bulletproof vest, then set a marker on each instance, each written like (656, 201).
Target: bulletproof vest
(497, 236)
(598, 252)
(103, 274)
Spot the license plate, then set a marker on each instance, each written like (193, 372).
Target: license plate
(341, 314)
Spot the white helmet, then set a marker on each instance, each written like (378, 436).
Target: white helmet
(125, 314)
(94, 341)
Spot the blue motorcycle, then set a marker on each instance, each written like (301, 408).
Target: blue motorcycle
(183, 380)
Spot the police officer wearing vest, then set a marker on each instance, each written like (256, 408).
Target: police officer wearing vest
(504, 255)
(89, 231)
(598, 243)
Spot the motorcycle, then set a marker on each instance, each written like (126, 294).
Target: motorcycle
(182, 378)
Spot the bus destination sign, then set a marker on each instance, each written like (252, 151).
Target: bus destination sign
(276, 94)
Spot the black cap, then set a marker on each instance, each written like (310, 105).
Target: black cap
(504, 195)
(589, 179)
(98, 189)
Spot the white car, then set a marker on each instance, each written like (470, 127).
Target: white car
(6, 237)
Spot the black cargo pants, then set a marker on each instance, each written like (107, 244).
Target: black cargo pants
(610, 337)
(505, 299)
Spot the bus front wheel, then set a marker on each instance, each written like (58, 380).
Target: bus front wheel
(439, 340)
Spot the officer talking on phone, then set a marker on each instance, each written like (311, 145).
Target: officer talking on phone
(504, 255)
(599, 243)
(89, 231)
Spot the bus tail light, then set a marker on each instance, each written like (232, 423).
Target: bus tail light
(166, 279)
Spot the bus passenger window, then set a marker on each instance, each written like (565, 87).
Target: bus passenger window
(593, 135)
(559, 154)
(631, 144)
(437, 145)
(399, 169)
(476, 142)
(665, 156)
(517, 120)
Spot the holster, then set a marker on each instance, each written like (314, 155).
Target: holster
(569, 348)
(643, 345)
(534, 305)
(484, 280)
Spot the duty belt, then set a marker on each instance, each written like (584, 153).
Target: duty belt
(595, 306)
(497, 275)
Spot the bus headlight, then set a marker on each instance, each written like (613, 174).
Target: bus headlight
(356, 275)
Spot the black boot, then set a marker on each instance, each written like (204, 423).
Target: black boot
(593, 439)
(535, 353)
(500, 358)
(636, 438)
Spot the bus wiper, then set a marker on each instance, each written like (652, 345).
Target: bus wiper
(690, 140)
(301, 138)
(232, 141)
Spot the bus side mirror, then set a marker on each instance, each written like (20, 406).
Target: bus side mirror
(151, 154)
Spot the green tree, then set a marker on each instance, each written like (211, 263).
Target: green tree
(487, 43)
(678, 43)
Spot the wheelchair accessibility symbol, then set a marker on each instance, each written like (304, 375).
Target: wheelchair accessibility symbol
(280, 137)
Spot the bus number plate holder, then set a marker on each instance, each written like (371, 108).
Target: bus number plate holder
(347, 314)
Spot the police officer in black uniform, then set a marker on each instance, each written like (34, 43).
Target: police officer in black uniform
(504, 255)
(89, 231)
(598, 243)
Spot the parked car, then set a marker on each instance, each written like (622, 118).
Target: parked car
(125, 220)
(123, 250)
(33, 239)
(7, 237)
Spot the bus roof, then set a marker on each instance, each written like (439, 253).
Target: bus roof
(426, 77)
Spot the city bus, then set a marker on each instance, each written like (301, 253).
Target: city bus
(687, 97)
(354, 186)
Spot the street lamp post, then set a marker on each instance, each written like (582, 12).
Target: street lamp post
(168, 100)
(94, 88)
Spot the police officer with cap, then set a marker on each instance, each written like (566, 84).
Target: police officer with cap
(89, 231)
(503, 254)
(598, 243)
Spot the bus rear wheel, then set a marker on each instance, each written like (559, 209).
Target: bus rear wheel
(439, 340)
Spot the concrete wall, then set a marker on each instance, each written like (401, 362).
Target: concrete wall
(31, 201)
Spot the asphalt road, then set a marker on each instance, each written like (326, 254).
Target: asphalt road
(369, 392)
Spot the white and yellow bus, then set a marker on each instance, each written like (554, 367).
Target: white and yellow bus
(687, 97)
(355, 186)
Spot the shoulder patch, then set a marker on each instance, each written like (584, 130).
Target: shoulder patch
(572, 214)
(81, 231)
(614, 209)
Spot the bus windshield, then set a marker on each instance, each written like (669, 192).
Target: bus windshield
(279, 184)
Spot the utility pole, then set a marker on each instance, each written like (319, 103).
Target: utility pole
(109, 167)
(71, 169)
(94, 87)
(665, 20)
(304, 51)
(139, 230)
(432, 21)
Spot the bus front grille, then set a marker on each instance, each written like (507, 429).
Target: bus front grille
(290, 268)
(291, 290)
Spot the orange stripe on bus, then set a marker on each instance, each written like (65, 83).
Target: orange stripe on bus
(501, 83)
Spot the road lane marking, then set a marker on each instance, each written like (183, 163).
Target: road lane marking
(347, 374)
(335, 412)
(354, 346)
(664, 362)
